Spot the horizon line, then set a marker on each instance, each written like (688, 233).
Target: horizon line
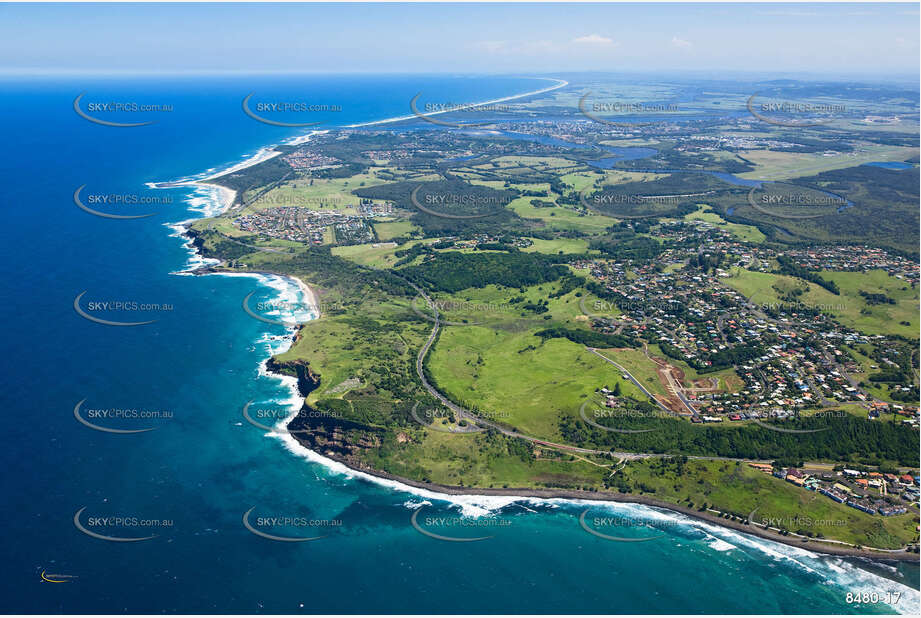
(910, 74)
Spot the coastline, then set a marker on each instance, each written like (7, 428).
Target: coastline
(269, 152)
(462, 495)
(199, 265)
(228, 195)
(308, 293)
(508, 495)
(560, 83)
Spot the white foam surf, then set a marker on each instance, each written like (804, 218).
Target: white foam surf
(211, 200)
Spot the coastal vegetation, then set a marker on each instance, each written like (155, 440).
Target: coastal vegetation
(522, 314)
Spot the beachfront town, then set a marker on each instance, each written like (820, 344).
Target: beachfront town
(311, 226)
(874, 493)
(305, 159)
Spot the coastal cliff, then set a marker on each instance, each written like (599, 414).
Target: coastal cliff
(322, 431)
(307, 381)
(348, 442)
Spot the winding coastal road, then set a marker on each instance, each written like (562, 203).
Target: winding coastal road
(479, 421)
(466, 414)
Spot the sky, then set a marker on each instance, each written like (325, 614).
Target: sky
(833, 39)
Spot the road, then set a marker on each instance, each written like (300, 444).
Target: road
(632, 379)
(481, 422)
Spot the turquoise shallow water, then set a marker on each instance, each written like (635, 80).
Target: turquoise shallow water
(204, 466)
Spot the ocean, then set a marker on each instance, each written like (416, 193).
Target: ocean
(188, 375)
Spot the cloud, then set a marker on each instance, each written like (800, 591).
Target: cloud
(676, 42)
(536, 47)
(517, 48)
(592, 39)
(492, 47)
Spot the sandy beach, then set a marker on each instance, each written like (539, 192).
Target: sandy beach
(482, 498)
(226, 195)
(309, 296)
(560, 83)
(263, 154)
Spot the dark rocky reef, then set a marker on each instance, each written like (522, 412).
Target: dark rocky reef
(321, 431)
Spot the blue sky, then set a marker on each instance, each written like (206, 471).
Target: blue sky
(838, 39)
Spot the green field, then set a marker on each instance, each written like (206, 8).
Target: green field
(481, 460)
(738, 489)
(561, 218)
(381, 256)
(745, 233)
(773, 165)
(314, 194)
(361, 354)
(879, 318)
(387, 230)
(558, 245)
(849, 307)
(640, 367)
(525, 383)
(497, 364)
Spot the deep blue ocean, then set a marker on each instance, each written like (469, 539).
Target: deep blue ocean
(204, 466)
